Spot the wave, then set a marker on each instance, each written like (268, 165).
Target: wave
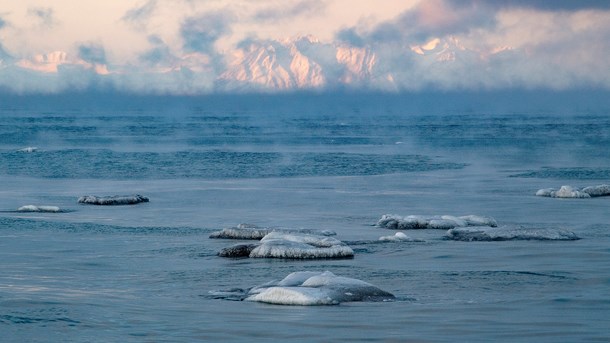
(316, 288)
(292, 246)
(251, 231)
(506, 233)
(572, 192)
(397, 222)
(113, 200)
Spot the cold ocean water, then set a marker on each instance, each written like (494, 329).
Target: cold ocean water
(149, 272)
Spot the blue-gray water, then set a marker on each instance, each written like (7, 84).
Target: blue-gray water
(145, 272)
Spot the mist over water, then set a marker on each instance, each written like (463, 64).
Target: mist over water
(148, 272)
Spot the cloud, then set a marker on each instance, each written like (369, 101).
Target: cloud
(159, 54)
(200, 33)
(92, 52)
(46, 16)
(290, 10)
(548, 5)
(139, 15)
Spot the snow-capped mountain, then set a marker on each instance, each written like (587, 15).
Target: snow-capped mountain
(298, 63)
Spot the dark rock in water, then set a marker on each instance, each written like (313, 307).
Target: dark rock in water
(237, 250)
(113, 200)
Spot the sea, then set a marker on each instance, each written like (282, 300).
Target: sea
(150, 273)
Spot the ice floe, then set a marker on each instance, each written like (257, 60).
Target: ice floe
(301, 246)
(113, 200)
(396, 222)
(278, 244)
(506, 233)
(316, 288)
(251, 231)
(398, 237)
(28, 149)
(34, 208)
(572, 192)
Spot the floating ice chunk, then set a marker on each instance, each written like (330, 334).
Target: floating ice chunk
(295, 296)
(251, 231)
(280, 248)
(396, 222)
(278, 244)
(113, 200)
(483, 233)
(33, 208)
(597, 191)
(398, 237)
(473, 220)
(571, 192)
(29, 149)
(241, 233)
(316, 288)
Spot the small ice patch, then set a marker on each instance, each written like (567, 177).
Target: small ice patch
(576, 193)
(28, 149)
(509, 233)
(398, 237)
(113, 200)
(33, 208)
(316, 288)
(396, 222)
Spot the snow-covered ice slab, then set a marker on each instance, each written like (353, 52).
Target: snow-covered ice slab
(113, 200)
(251, 231)
(278, 244)
(412, 222)
(506, 233)
(40, 209)
(572, 192)
(316, 288)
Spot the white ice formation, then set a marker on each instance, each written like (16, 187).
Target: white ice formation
(28, 149)
(113, 200)
(34, 208)
(571, 192)
(396, 222)
(505, 233)
(301, 246)
(398, 237)
(316, 288)
(251, 231)
(278, 244)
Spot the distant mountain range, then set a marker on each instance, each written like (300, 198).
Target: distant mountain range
(289, 64)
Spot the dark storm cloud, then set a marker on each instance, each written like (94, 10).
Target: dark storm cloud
(199, 33)
(290, 10)
(92, 53)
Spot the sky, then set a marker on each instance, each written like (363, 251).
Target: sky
(220, 46)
